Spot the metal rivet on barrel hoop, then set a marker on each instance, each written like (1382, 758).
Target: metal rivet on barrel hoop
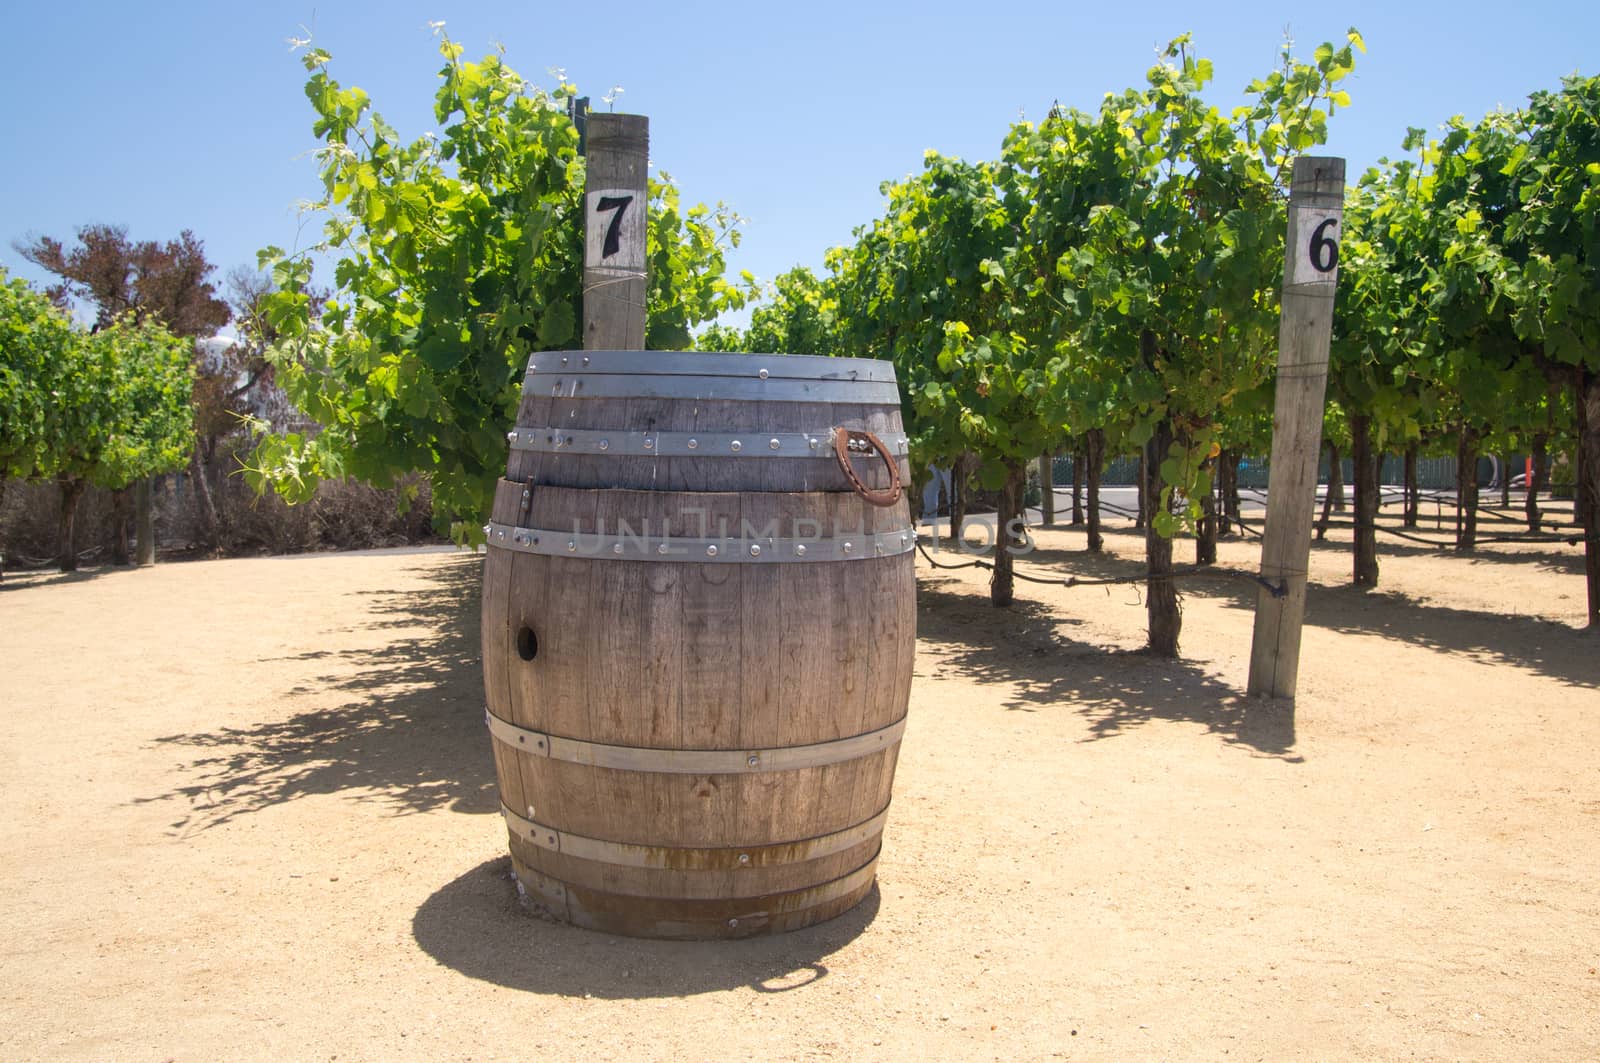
(755, 549)
(773, 443)
(813, 443)
(694, 443)
(762, 374)
(711, 551)
(662, 548)
(754, 761)
(617, 548)
(736, 446)
(848, 548)
(571, 545)
(605, 444)
(744, 858)
(649, 444)
(732, 923)
(512, 436)
(800, 550)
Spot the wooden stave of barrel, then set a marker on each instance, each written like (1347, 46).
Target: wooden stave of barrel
(741, 658)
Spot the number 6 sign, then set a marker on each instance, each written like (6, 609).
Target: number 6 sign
(1315, 258)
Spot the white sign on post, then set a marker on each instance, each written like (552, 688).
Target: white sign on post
(1316, 259)
(614, 231)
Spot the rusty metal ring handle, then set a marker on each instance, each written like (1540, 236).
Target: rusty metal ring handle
(848, 441)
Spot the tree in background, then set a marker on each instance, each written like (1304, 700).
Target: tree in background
(1067, 166)
(148, 281)
(107, 408)
(36, 338)
(1177, 277)
(1555, 233)
(799, 317)
(169, 282)
(459, 254)
(1377, 357)
(923, 286)
(140, 377)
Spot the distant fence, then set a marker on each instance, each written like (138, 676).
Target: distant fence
(1433, 474)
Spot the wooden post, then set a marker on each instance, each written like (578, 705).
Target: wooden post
(615, 196)
(1311, 270)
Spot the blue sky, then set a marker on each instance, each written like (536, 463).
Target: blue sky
(191, 115)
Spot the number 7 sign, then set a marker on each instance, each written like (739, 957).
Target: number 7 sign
(614, 230)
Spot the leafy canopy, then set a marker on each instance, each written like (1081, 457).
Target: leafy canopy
(459, 253)
(110, 407)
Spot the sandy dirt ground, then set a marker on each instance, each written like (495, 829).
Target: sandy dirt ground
(251, 814)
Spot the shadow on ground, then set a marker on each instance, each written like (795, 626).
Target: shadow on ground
(1027, 649)
(476, 925)
(21, 579)
(411, 735)
(1548, 647)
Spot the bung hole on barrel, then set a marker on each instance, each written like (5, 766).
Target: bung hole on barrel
(527, 644)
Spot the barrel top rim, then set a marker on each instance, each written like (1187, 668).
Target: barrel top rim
(711, 364)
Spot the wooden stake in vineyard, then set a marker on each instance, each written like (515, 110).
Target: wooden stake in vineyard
(614, 224)
(1310, 273)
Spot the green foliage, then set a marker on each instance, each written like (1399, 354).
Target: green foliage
(1112, 271)
(984, 395)
(1170, 216)
(686, 266)
(1379, 357)
(1554, 226)
(1467, 276)
(799, 317)
(459, 254)
(144, 378)
(108, 407)
(721, 338)
(925, 286)
(36, 342)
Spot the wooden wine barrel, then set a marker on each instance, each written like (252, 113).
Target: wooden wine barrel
(698, 630)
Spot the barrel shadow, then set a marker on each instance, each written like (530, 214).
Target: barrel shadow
(410, 735)
(476, 925)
